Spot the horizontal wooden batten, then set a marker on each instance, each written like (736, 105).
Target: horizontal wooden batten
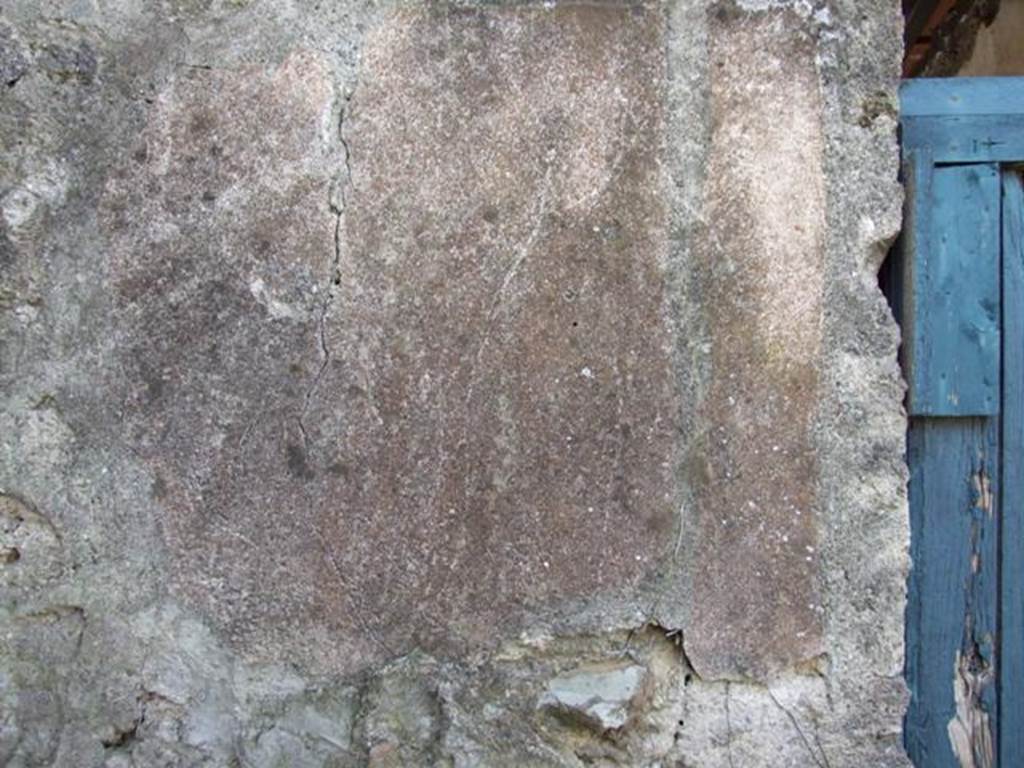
(966, 138)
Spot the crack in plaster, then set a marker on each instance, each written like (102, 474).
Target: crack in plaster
(337, 203)
(800, 731)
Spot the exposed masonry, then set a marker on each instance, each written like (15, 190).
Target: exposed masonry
(369, 395)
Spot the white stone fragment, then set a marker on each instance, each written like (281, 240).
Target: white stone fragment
(602, 698)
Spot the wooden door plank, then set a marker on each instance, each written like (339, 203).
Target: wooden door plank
(951, 351)
(1011, 647)
(951, 613)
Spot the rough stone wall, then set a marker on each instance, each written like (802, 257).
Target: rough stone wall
(469, 384)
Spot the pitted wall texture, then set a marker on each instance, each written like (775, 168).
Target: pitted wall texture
(460, 384)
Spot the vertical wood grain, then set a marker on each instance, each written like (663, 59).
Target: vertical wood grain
(952, 601)
(1011, 656)
(953, 338)
(951, 322)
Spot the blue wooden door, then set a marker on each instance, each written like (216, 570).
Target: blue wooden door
(959, 290)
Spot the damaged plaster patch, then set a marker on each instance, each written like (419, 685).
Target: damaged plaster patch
(46, 187)
(30, 546)
(276, 309)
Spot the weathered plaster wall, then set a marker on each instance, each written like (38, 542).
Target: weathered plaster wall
(997, 50)
(449, 384)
